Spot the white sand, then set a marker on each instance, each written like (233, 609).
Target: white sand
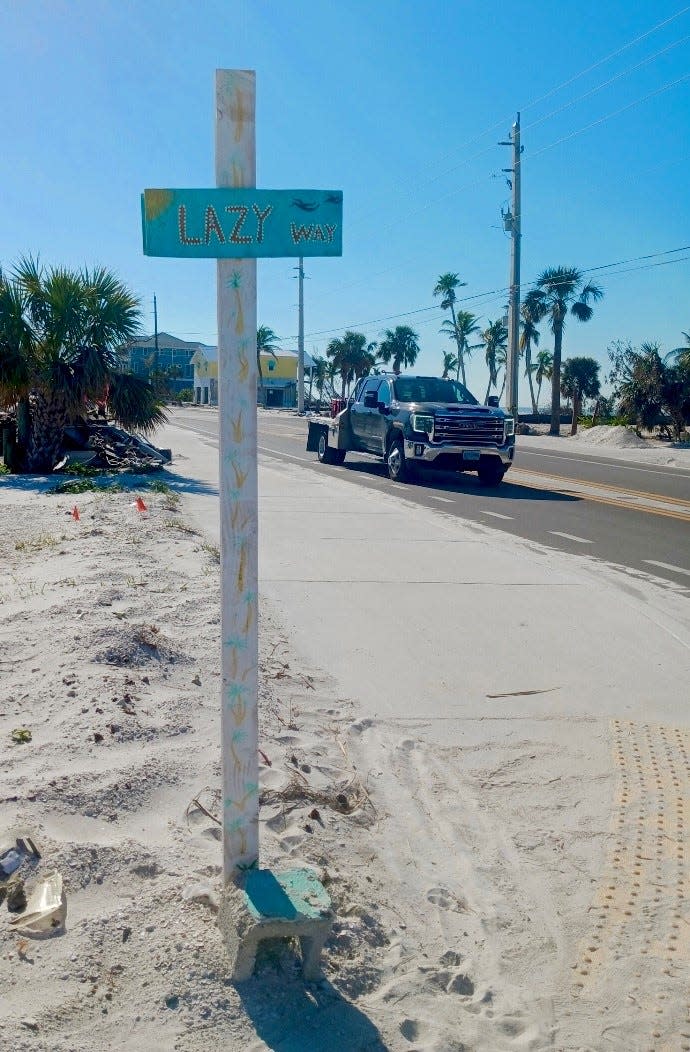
(477, 881)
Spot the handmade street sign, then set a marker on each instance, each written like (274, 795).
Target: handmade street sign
(235, 223)
(224, 223)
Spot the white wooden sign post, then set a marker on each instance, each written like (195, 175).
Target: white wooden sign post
(236, 278)
(236, 223)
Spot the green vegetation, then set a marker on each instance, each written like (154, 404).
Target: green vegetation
(559, 291)
(87, 485)
(351, 357)
(579, 380)
(60, 334)
(648, 387)
(399, 346)
(266, 341)
(494, 339)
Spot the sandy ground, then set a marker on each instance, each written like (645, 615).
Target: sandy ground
(525, 887)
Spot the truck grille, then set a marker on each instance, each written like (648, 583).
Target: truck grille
(468, 430)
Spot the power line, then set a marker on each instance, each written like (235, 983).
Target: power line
(543, 98)
(504, 290)
(606, 83)
(614, 113)
(607, 58)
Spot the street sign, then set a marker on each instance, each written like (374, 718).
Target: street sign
(224, 223)
(235, 224)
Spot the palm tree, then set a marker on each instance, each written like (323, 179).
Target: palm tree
(319, 375)
(560, 290)
(460, 330)
(501, 359)
(542, 368)
(399, 346)
(494, 339)
(450, 362)
(579, 380)
(266, 342)
(446, 287)
(529, 335)
(681, 355)
(351, 357)
(61, 338)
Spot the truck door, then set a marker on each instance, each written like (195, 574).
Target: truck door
(361, 413)
(380, 417)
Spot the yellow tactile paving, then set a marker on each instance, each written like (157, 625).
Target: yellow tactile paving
(641, 908)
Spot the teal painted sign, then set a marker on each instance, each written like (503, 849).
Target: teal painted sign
(235, 224)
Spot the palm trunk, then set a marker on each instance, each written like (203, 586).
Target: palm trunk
(577, 405)
(46, 433)
(555, 428)
(538, 397)
(528, 370)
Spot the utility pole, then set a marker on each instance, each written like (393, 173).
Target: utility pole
(300, 340)
(513, 223)
(155, 333)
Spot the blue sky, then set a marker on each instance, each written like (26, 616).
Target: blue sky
(400, 105)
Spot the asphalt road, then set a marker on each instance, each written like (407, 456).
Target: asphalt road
(633, 516)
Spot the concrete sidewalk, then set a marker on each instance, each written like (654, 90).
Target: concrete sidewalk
(444, 612)
(521, 719)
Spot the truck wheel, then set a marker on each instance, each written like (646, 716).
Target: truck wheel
(398, 468)
(491, 473)
(323, 450)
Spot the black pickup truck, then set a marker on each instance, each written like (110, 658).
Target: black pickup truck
(416, 423)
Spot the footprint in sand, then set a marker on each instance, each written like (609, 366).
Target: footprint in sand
(446, 900)
(411, 1029)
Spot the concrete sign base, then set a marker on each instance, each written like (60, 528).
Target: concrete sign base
(289, 905)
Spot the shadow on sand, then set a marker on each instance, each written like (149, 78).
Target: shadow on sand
(47, 483)
(290, 1015)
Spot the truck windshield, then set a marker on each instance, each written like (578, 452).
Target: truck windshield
(431, 389)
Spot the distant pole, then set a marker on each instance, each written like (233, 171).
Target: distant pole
(155, 332)
(512, 358)
(300, 340)
(236, 167)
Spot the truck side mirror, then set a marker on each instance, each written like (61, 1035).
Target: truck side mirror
(492, 401)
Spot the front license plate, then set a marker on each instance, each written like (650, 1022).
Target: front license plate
(470, 454)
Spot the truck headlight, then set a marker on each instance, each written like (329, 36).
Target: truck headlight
(422, 422)
(509, 427)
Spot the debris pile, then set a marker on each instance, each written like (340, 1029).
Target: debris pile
(98, 445)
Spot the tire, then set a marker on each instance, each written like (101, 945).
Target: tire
(323, 450)
(398, 468)
(491, 473)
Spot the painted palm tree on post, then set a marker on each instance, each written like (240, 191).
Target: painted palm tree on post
(529, 336)
(266, 343)
(61, 335)
(464, 326)
(542, 367)
(494, 339)
(559, 291)
(446, 287)
(400, 346)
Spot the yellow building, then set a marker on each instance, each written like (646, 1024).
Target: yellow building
(279, 378)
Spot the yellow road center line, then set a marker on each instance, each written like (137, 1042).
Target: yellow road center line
(614, 502)
(604, 486)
